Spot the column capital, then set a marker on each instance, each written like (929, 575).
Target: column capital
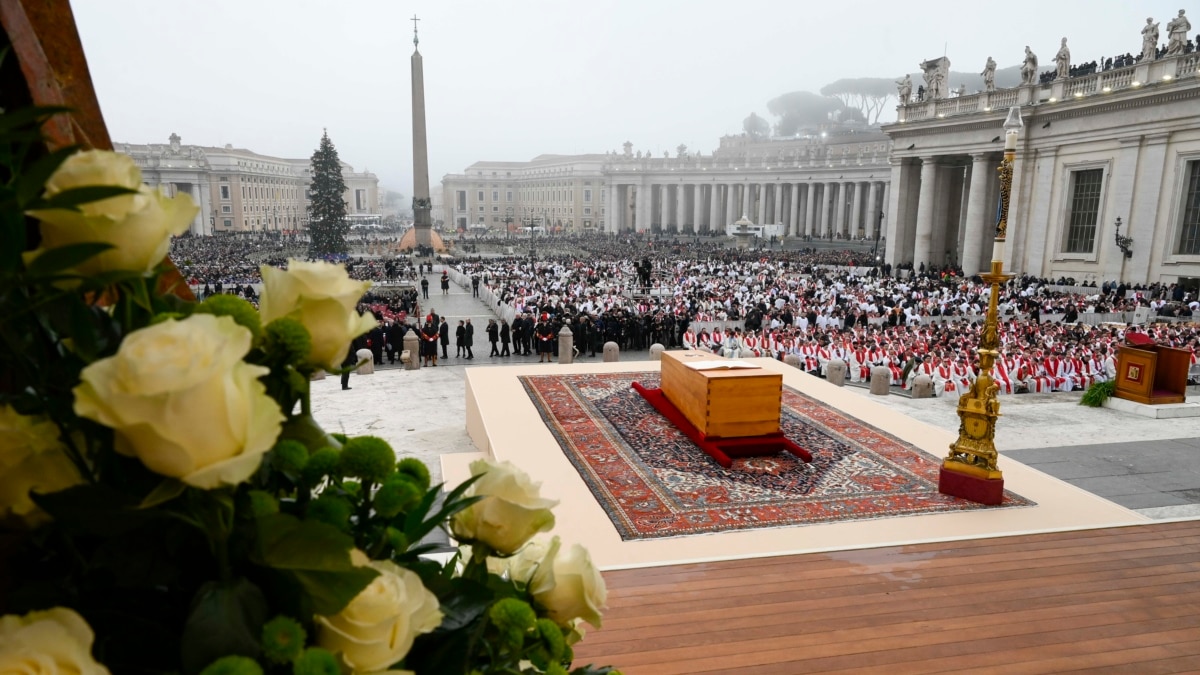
(982, 157)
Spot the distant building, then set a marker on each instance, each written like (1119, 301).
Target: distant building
(562, 193)
(1122, 143)
(242, 191)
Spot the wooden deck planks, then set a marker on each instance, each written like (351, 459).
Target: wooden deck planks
(1112, 600)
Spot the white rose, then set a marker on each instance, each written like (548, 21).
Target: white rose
(32, 458)
(139, 226)
(180, 399)
(521, 565)
(379, 625)
(324, 298)
(47, 643)
(568, 586)
(510, 512)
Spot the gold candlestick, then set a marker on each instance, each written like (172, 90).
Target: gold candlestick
(970, 471)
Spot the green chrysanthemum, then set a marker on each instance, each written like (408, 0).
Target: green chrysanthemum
(262, 503)
(288, 340)
(167, 316)
(416, 470)
(367, 457)
(321, 463)
(512, 614)
(397, 539)
(233, 665)
(239, 309)
(316, 661)
(283, 639)
(396, 496)
(289, 457)
(552, 638)
(330, 510)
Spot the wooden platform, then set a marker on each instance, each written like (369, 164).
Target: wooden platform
(1115, 600)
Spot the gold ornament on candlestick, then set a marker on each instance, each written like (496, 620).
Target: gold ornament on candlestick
(974, 453)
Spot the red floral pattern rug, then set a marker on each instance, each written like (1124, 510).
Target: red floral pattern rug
(654, 482)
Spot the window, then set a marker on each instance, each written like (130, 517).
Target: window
(495, 195)
(481, 208)
(1085, 210)
(587, 210)
(587, 195)
(480, 196)
(495, 209)
(1189, 239)
(224, 192)
(227, 222)
(508, 196)
(225, 208)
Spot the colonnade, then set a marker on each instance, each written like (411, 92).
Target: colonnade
(844, 208)
(944, 211)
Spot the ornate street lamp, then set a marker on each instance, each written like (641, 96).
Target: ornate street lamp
(1124, 243)
(970, 471)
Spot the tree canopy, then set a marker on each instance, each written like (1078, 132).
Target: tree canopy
(756, 127)
(868, 95)
(798, 110)
(327, 224)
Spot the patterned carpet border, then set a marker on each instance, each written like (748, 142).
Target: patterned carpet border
(653, 482)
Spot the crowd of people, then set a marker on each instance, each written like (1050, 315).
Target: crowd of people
(817, 305)
(812, 304)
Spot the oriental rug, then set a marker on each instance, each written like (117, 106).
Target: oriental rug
(653, 482)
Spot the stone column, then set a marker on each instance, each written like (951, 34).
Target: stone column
(730, 206)
(664, 205)
(645, 201)
(823, 218)
(872, 214)
(611, 214)
(697, 207)
(778, 203)
(760, 207)
(746, 192)
(840, 224)
(977, 215)
(566, 345)
(681, 207)
(714, 207)
(794, 207)
(856, 212)
(926, 207)
(810, 209)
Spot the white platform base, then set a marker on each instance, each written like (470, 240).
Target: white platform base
(1166, 411)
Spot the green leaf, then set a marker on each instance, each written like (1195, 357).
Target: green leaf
(315, 556)
(226, 619)
(165, 491)
(330, 592)
(95, 509)
(64, 257)
(32, 181)
(33, 115)
(71, 199)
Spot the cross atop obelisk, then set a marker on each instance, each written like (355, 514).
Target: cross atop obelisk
(422, 222)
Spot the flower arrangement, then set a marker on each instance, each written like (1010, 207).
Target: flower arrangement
(168, 503)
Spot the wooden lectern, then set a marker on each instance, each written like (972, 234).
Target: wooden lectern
(1152, 374)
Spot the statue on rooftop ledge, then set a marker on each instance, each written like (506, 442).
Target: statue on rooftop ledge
(1029, 67)
(1149, 39)
(1177, 30)
(904, 89)
(1062, 61)
(989, 75)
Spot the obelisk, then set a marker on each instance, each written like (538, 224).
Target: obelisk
(422, 224)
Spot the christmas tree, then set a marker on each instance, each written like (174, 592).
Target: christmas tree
(326, 208)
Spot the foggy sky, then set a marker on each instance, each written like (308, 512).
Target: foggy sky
(510, 80)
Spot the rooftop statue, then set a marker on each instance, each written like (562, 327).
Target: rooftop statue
(1062, 61)
(1029, 67)
(904, 89)
(1177, 30)
(989, 75)
(1149, 39)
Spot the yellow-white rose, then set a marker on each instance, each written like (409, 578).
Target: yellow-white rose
(510, 512)
(324, 298)
(180, 399)
(47, 643)
(139, 226)
(32, 458)
(379, 625)
(568, 586)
